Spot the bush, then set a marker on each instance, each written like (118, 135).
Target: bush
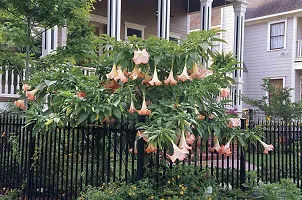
(286, 189)
(179, 183)
(11, 195)
(185, 182)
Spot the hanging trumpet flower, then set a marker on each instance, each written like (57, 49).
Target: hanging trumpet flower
(113, 73)
(144, 110)
(184, 75)
(170, 80)
(155, 80)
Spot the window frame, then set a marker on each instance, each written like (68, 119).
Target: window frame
(138, 27)
(275, 78)
(269, 26)
(175, 35)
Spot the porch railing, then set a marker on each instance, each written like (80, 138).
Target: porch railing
(299, 49)
(11, 81)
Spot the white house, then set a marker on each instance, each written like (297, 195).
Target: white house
(273, 46)
(168, 19)
(272, 43)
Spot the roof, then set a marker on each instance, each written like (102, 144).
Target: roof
(260, 8)
(195, 19)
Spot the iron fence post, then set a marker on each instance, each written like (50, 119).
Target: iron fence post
(29, 179)
(140, 153)
(242, 158)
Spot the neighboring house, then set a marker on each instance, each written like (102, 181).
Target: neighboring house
(273, 46)
(169, 19)
(272, 43)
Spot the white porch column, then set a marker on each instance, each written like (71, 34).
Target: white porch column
(114, 11)
(240, 10)
(163, 18)
(49, 40)
(205, 14)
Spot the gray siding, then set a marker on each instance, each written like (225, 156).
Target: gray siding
(143, 13)
(298, 74)
(299, 28)
(228, 26)
(262, 63)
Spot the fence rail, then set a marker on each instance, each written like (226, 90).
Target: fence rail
(58, 164)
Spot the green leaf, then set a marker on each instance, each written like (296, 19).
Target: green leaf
(157, 59)
(82, 118)
(117, 113)
(49, 122)
(116, 102)
(49, 83)
(217, 130)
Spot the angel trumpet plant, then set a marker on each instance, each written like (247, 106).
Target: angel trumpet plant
(136, 73)
(178, 153)
(184, 75)
(155, 80)
(183, 144)
(170, 80)
(144, 110)
(113, 73)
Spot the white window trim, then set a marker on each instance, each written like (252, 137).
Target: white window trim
(269, 34)
(300, 88)
(175, 35)
(136, 27)
(273, 78)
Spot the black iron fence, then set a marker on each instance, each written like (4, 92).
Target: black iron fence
(60, 163)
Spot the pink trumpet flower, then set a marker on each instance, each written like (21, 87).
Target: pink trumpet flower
(25, 87)
(184, 76)
(216, 146)
(144, 110)
(132, 108)
(190, 139)
(155, 80)
(170, 80)
(31, 94)
(225, 149)
(20, 104)
(179, 154)
(224, 92)
(234, 122)
(267, 147)
(113, 73)
(136, 73)
(151, 148)
(121, 76)
(141, 57)
(183, 144)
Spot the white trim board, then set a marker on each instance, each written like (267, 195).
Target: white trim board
(273, 15)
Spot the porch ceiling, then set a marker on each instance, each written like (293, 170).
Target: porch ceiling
(194, 5)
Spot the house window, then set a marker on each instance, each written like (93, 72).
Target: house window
(277, 35)
(132, 29)
(174, 37)
(277, 83)
(132, 32)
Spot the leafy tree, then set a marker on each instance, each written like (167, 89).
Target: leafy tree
(22, 23)
(278, 104)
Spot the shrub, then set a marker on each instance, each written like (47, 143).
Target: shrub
(286, 189)
(179, 183)
(11, 195)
